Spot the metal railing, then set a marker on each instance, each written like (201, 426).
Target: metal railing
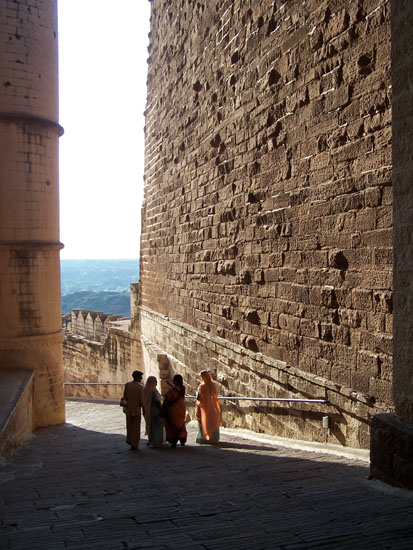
(270, 399)
(223, 398)
(93, 384)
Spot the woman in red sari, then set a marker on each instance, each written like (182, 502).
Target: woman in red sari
(208, 412)
(174, 412)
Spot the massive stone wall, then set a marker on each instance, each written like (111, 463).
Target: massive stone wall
(267, 215)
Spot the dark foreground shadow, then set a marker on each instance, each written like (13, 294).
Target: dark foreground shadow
(74, 488)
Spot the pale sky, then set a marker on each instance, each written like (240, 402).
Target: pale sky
(102, 74)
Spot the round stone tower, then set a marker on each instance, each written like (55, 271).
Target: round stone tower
(30, 309)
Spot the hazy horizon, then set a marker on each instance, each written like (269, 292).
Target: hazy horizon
(99, 275)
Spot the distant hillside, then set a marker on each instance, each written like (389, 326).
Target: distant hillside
(107, 302)
(98, 275)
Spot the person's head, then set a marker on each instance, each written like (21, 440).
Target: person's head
(137, 375)
(178, 380)
(205, 376)
(151, 382)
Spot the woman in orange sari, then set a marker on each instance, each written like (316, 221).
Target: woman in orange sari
(208, 412)
(174, 412)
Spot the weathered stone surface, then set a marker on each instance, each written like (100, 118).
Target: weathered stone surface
(391, 451)
(402, 52)
(100, 359)
(242, 372)
(391, 436)
(30, 310)
(16, 408)
(268, 169)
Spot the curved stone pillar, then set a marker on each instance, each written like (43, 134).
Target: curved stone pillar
(30, 311)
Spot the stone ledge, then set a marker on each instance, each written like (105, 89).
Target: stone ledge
(325, 385)
(16, 422)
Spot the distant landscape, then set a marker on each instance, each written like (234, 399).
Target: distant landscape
(98, 285)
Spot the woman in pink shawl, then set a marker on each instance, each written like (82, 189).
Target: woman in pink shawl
(208, 412)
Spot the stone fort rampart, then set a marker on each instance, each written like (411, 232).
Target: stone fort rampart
(95, 325)
(100, 350)
(266, 246)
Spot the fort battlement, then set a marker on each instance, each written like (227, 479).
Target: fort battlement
(95, 325)
(99, 349)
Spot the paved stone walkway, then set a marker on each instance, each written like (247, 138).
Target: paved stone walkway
(78, 486)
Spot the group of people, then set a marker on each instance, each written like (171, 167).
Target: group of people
(165, 419)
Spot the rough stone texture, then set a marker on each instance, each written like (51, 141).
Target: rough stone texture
(242, 373)
(267, 215)
(30, 324)
(392, 437)
(109, 362)
(161, 365)
(391, 451)
(402, 120)
(134, 300)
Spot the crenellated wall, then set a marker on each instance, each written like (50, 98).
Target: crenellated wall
(94, 325)
(267, 214)
(100, 348)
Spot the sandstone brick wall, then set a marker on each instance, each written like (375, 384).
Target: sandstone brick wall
(392, 434)
(16, 409)
(267, 215)
(134, 300)
(30, 305)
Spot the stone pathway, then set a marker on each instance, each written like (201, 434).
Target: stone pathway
(78, 486)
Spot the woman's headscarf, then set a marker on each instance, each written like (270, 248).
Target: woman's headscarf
(178, 380)
(147, 399)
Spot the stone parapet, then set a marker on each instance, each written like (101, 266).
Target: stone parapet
(107, 362)
(95, 325)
